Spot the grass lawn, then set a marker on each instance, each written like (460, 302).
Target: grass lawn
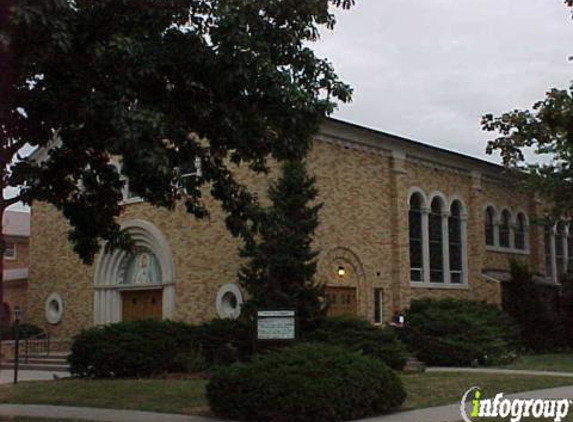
(434, 388)
(188, 396)
(167, 396)
(560, 362)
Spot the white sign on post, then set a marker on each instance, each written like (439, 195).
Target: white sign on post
(276, 325)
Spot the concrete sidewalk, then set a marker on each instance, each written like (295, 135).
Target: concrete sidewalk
(500, 371)
(7, 375)
(449, 413)
(92, 414)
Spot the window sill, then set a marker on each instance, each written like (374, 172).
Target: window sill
(441, 286)
(513, 251)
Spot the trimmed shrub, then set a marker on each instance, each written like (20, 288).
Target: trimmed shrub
(360, 335)
(566, 307)
(224, 341)
(305, 383)
(129, 349)
(450, 332)
(189, 361)
(148, 347)
(536, 308)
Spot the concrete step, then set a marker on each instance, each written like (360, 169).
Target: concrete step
(40, 360)
(36, 367)
(56, 362)
(61, 355)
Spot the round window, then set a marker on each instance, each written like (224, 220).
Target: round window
(229, 301)
(54, 309)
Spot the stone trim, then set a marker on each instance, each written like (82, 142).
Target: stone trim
(109, 273)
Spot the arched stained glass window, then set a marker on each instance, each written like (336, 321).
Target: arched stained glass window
(436, 242)
(416, 238)
(520, 232)
(455, 243)
(489, 226)
(505, 229)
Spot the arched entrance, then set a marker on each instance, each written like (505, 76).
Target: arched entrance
(343, 276)
(136, 284)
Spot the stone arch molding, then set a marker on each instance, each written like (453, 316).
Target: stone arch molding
(342, 254)
(110, 273)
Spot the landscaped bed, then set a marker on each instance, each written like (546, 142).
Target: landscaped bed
(188, 396)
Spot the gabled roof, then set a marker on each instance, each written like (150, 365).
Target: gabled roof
(16, 223)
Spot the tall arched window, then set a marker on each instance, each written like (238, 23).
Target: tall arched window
(549, 244)
(489, 226)
(455, 243)
(505, 229)
(520, 232)
(560, 245)
(416, 238)
(436, 242)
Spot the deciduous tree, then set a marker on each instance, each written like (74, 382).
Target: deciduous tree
(158, 83)
(547, 129)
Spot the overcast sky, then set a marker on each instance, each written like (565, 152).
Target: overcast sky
(429, 69)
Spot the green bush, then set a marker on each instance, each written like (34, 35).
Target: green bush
(305, 383)
(148, 347)
(449, 332)
(130, 349)
(224, 341)
(536, 308)
(188, 361)
(360, 335)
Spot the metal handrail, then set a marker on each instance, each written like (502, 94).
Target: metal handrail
(41, 346)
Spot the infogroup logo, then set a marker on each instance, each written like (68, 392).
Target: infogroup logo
(513, 410)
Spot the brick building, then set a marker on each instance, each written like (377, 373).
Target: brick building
(400, 220)
(16, 229)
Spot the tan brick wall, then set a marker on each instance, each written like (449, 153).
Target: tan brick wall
(364, 226)
(55, 268)
(354, 187)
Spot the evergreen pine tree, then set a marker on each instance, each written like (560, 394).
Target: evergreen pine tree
(281, 261)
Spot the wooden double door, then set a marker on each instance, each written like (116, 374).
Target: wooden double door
(140, 304)
(341, 301)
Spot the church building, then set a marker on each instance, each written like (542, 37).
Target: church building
(401, 220)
